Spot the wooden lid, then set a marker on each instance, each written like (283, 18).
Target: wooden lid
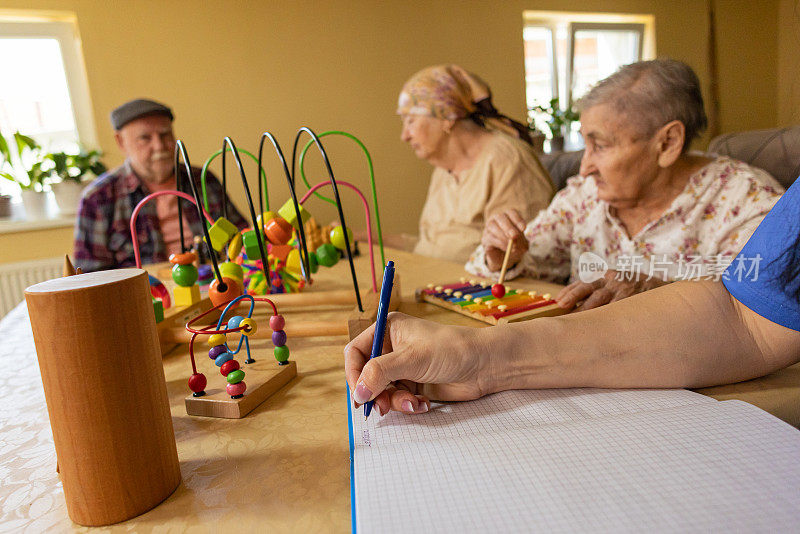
(83, 281)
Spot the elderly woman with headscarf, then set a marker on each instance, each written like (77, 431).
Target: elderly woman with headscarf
(648, 210)
(483, 164)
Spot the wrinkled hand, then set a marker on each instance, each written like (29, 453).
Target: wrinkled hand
(421, 360)
(499, 229)
(603, 291)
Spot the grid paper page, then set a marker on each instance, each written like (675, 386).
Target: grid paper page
(513, 409)
(719, 466)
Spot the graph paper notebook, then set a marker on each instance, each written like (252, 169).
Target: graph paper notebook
(576, 460)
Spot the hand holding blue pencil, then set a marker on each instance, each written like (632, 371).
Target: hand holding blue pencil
(380, 323)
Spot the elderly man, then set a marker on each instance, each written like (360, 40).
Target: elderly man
(102, 231)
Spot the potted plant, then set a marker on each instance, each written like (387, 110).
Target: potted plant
(556, 119)
(29, 172)
(70, 173)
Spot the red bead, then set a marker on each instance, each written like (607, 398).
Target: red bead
(232, 291)
(227, 367)
(277, 322)
(498, 290)
(197, 382)
(236, 389)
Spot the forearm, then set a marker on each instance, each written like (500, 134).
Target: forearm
(688, 334)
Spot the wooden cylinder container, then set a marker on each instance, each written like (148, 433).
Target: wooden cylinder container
(103, 379)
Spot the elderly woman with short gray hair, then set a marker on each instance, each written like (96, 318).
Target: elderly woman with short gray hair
(643, 205)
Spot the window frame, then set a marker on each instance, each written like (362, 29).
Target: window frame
(574, 27)
(65, 31)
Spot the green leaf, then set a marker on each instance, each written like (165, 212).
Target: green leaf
(8, 176)
(4, 151)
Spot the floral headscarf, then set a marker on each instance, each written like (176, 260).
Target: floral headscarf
(449, 92)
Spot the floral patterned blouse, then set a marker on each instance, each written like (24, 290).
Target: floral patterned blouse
(707, 224)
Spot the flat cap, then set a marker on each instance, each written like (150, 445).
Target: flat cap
(135, 109)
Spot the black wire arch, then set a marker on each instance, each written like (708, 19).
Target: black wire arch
(261, 248)
(180, 152)
(335, 187)
(304, 258)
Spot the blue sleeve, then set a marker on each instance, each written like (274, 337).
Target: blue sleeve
(765, 276)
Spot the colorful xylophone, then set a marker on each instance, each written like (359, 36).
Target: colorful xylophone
(474, 299)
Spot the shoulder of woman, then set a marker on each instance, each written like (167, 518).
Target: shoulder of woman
(734, 176)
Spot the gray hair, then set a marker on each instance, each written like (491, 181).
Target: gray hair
(652, 93)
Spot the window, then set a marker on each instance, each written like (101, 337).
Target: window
(567, 53)
(44, 93)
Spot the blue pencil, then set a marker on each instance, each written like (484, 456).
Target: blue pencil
(380, 323)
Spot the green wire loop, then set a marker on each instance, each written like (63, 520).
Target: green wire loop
(371, 180)
(212, 158)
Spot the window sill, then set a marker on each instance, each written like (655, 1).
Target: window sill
(18, 222)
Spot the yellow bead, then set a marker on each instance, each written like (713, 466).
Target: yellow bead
(250, 323)
(235, 246)
(186, 296)
(216, 339)
(288, 213)
(220, 232)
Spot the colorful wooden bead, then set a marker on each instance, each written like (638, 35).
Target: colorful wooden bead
(279, 338)
(216, 350)
(280, 252)
(158, 309)
(234, 322)
(235, 246)
(184, 258)
(228, 367)
(327, 255)
(261, 220)
(222, 358)
(221, 232)
(205, 272)
(278, 231)
(235, 376)
(277, 322)
(287, 212)
(232, 270)
(337, 237)
(250, 326)
(313, 263)
(250, 241)
(184, 275)
(236, 390)
(197, 382)
(281, 354)
(498, 290)
(186, 296)
(230, 291)
(217, 339)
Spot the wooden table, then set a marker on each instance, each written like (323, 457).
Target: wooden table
(285, 466)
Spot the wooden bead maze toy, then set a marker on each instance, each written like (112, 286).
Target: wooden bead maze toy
(265, 377)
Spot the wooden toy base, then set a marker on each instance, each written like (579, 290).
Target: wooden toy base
(263, 377)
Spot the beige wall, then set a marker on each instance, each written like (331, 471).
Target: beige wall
(789, 63)
(238, 68)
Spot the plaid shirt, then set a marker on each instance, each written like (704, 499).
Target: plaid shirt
(102, 230)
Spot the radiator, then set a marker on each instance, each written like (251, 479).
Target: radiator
(15, 277)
